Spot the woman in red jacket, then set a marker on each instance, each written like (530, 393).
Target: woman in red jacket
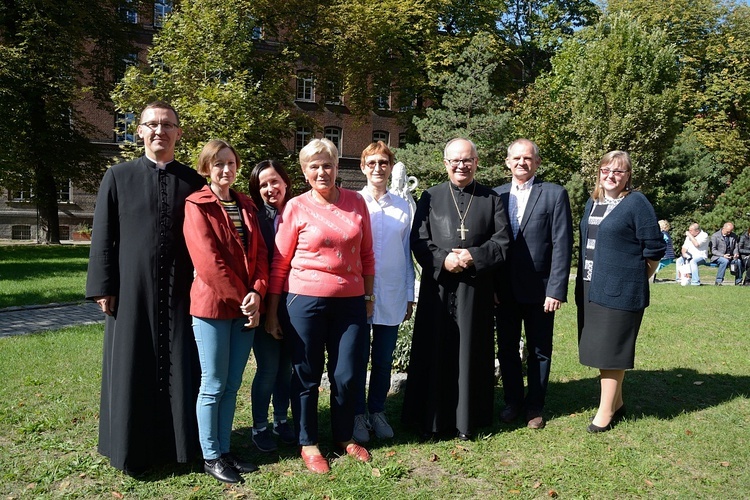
(231, 274)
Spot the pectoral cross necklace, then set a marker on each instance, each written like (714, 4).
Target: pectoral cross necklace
(462, 228)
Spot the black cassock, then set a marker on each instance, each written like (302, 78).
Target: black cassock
(150, 368)
(451, 370)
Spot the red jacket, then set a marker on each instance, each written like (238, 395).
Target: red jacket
(224, 271)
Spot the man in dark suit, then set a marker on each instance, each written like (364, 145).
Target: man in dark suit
(534, 282)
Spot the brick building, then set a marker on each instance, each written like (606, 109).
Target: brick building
(18, 212)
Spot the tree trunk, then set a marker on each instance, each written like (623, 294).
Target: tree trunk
(46, 199)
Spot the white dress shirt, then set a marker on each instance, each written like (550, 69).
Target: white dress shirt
(394, 270)
(519, 196)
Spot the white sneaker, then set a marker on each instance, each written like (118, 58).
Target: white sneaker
(380, 426)
(361, 432)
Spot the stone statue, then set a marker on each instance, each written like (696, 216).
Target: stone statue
(403, 185)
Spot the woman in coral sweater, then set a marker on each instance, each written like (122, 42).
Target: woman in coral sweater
(320, 296)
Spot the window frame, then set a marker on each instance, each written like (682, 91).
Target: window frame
(336, 136)
(305, 91)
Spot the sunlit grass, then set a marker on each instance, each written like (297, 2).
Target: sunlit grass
(686, 435)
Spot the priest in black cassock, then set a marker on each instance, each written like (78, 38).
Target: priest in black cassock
(459, 237)
(140, 274)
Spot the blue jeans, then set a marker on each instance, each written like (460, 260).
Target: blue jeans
(723, 263)
(695, 279)
(223, 349)
(314, 326)
(273, 376)
(383, 343)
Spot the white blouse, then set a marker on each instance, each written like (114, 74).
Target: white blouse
(394, 270)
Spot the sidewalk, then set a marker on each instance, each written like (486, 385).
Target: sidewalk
(29, 319)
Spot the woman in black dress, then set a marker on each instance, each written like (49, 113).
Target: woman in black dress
(621, 245)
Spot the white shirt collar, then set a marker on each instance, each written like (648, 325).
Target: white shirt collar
(526, 185)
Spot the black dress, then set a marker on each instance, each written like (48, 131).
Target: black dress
(150, 369)
(451, 371)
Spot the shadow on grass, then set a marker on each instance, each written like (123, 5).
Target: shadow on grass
(663, 394)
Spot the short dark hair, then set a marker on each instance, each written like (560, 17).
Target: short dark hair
(162, 105)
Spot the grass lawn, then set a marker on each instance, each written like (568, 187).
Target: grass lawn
(41, 274)
(687, 434)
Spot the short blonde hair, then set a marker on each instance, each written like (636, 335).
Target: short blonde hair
(317, 146)
(664, 225)
(208, 155)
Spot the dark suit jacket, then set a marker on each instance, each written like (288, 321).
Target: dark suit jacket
(539, 258)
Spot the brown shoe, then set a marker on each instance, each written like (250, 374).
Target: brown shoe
(509, 414)
(534, 420)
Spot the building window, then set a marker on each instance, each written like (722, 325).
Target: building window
(383, 100)
(162, 8)
(64, 232)
(125, 127)
(402, 140)
(21, 232)
(333, 92)
(63, 194)
(129, 12)
(305, 86)
(381, 135)
(333, 134)
(20, 195)
(302, 138)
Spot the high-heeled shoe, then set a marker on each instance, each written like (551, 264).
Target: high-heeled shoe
(594, 429)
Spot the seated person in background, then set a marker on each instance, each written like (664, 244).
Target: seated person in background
(694, 250)
(724, 252)
(669, 256)
(744, 250)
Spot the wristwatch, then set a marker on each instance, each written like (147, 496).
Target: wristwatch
(370, 298)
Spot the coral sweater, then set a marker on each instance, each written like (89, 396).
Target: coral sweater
(323, 250)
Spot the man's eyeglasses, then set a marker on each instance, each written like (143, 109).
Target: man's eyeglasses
(617, 173)
(165, 126)
(382, 163)
(465, 161)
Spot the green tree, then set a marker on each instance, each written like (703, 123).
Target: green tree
(468, 109)
(54, 54)
(612, 86)
(206, 63)
(535, 29)
(723, 121)
(732, 206)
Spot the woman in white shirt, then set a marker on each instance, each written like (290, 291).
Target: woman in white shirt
(394, 286)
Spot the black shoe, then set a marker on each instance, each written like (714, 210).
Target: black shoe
(222, 471)
(285, 432)
(510, 413)
(594, 429)
(238, 465)
(463, 436)
(136, 471)
(717, 283)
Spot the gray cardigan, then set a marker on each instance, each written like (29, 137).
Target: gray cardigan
(628, 236)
